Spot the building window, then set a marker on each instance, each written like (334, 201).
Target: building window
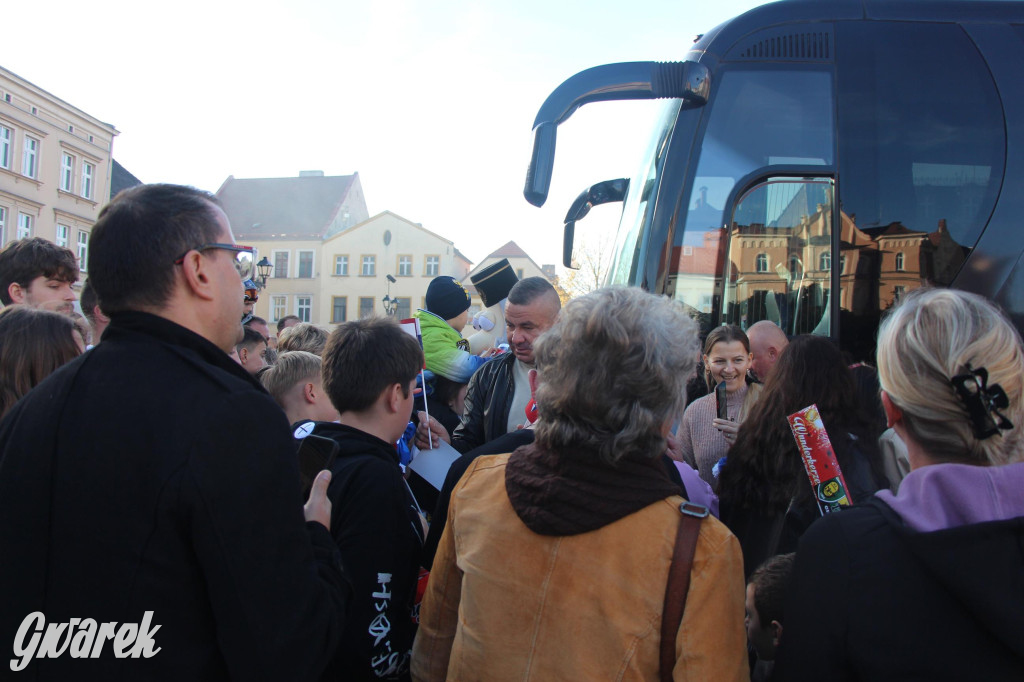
(405, 266)
(29, 167)
(24, 226)
(369, 266)
(404, 309)
(87, 173)
(3, 226)
(341, 266)
(67, 172)
(519, 273)
(281, 264)
(825, 261)
(5, 147)
(899, 261)
(305, 264)
(794, 267)
(62, 235)
(339, 308)
(897, 294)
(761, 263)
(83, 250)
(303, 307)
(365, 306)
(277, 307)
(433, 266)
(842, 264)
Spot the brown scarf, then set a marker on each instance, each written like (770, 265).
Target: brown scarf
(567, 493)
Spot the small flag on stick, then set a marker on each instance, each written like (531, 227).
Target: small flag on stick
(411, 326)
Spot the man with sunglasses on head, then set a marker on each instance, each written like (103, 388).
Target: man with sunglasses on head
(127, 496)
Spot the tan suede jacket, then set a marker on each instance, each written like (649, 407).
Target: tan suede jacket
(504, 603)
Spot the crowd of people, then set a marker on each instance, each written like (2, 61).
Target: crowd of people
(218, 499)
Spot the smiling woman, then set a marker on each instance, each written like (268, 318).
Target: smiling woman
(708, 428)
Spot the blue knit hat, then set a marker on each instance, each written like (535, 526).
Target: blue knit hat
(446, 297)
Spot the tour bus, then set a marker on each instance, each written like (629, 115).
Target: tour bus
(816, 160)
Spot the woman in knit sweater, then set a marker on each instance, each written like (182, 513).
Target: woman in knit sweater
(703, 438)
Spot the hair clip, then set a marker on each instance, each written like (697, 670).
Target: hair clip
(982, 402)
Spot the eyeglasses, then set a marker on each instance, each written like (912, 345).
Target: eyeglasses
(243, 257)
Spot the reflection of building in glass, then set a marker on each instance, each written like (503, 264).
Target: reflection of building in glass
(776, 262)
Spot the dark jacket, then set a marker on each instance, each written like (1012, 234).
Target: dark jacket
(377, 527)
(488, 401)
(154, 474)
(764, 533)
(872, 599)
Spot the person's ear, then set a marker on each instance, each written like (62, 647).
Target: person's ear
(776, 627)
(309, 392)
(243, 354)
(773, 353)
(893, 414)
(196, 270)
(16, 293)
(395, 396)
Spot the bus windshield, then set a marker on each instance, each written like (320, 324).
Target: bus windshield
(626, 253)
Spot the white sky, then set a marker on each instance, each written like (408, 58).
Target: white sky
(431, 102)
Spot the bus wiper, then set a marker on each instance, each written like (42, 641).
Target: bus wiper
(622, 81)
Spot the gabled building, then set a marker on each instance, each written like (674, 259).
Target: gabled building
(358, 261)
(287, 221)
(55, 165)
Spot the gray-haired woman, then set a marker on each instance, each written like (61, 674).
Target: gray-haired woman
(554, 561)
(927, 584)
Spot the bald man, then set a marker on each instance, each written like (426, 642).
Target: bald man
(766, 344)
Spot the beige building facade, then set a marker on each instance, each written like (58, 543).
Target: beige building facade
(357, 263)
(331, 260)
(55, 165)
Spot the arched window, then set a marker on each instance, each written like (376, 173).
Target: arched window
(899, 261)
(825, 261)
(761, 262)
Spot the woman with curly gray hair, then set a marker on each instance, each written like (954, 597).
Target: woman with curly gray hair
(927, 584)
(555, 558)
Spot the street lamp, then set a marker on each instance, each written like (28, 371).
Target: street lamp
(264, 267)
(390, 304)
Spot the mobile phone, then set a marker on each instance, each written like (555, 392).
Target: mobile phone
(316, 453)
(721, 399)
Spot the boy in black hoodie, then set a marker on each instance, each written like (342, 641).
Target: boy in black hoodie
(369, 372)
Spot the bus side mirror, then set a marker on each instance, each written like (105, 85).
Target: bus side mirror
(595, 195)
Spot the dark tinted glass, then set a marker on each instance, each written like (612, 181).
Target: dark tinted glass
(921, 156)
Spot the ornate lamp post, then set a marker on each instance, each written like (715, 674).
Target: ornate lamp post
(390, 304)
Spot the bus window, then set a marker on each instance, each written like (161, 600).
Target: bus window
(779, 263)
(921, 157)
(758, 118)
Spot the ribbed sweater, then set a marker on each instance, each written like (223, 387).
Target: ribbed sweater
(700, 443)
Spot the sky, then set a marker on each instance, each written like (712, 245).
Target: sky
(432, 103)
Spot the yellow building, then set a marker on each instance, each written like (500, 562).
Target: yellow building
(331, 260)
(55, 165)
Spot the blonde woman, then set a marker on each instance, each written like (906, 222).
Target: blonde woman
(704, 438)
(927, 584)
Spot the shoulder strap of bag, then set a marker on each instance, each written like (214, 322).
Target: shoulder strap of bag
(678, 584)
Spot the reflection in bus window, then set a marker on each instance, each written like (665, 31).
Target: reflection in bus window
(919, 167)
(758, 119)
(780, 256)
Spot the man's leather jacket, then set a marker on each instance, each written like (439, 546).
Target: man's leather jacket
(488, 401)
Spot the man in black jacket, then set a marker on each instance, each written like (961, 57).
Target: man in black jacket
(499, 391)
(129, 495)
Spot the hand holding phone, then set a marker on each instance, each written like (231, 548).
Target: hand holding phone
(722, 400)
